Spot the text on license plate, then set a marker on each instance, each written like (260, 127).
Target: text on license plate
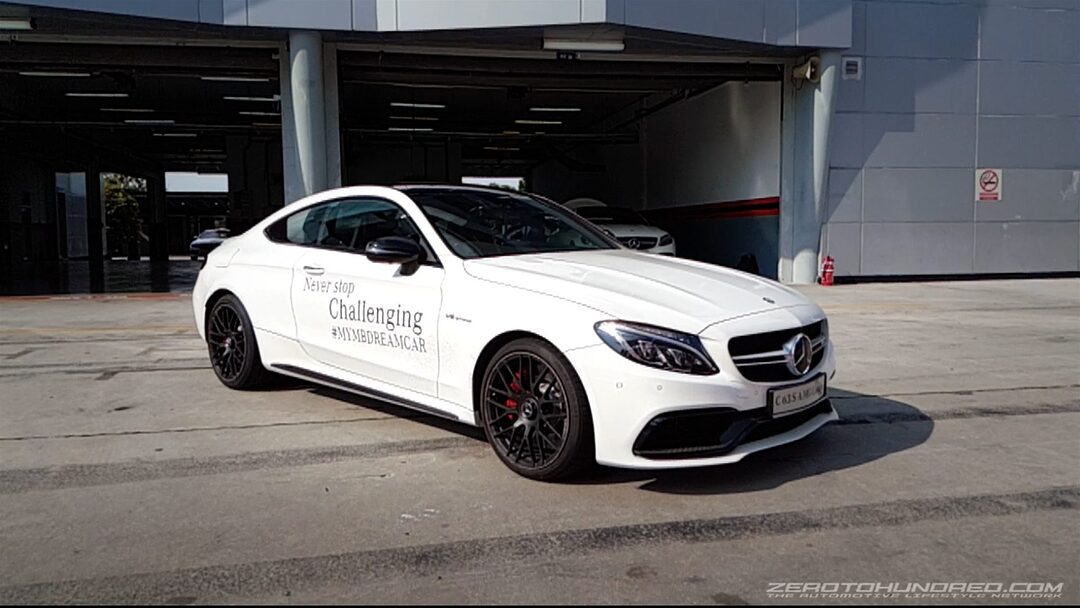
(794, 398)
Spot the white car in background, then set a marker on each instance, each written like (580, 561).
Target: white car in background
(506, 311)
(628, 226)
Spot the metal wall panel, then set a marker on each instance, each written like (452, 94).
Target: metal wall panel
(845, 195)
(1014, 87)
(918, 195)
(1027, 246)
(905, 85)
(917, 248)
(906, 29)
(1029, 142)
(1035, 194)
(1023, 34)
(919, 140)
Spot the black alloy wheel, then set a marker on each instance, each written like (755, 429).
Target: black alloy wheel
(535, 413)
(231, 343)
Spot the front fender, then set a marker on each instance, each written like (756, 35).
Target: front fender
(477, 312)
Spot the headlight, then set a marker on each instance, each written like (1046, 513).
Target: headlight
(666, 240)
(657, 347)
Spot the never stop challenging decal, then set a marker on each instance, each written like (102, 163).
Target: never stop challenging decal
(358, 319)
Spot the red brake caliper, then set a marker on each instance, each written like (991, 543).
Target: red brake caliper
(515, 387)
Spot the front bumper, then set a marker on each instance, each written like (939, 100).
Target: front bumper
(629, 402)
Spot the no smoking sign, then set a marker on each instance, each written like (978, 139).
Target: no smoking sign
(988, 185)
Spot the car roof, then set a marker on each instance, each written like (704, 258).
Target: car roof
(463, 187)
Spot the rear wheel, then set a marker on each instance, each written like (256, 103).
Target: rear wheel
(535, 412)
(230, 339)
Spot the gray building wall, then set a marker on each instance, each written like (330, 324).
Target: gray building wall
(808, 23)
(948, 88)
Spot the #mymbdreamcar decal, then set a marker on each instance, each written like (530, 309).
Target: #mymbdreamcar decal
(365, 320)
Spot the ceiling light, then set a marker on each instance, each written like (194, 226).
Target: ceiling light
(176, 134)
(410, 129)
(502, 148)
(16, 23)
(405, 104)
(233, 79)
(261, 113)
(96, 94)
(529, 121)
(147, 121)
(57, 74)
(541, 109)
(564, 44)
(413, 118)
(266, 125)
(239, 98)
(136, 110)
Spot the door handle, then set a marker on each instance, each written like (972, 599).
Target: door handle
(315, 270)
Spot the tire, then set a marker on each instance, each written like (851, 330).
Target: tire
(535, 412)
(230, 342)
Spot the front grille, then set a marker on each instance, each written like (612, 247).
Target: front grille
(714, 431)
(641, 242)
(760, 357)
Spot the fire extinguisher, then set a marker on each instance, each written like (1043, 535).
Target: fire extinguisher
(827, 269)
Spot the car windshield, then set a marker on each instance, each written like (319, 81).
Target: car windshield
(484, 223)
(214, 234)
(611, 215)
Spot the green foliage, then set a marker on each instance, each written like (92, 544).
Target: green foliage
(121, 208)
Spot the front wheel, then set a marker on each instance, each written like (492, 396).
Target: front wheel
(535, 412)
(230, 338)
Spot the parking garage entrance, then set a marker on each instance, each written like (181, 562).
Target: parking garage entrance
(694, 145)
(90, 132)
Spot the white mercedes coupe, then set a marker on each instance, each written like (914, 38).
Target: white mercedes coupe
(506, 311)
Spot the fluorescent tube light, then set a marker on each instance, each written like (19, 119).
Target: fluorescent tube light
(241, 98)
(406, 104)
(16, 23)
(96, 94)
(57, 74)
(233, 79)
(563, 44)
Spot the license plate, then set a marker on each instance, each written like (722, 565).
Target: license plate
(790, 399)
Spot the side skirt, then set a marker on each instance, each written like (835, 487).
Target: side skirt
(331, 381)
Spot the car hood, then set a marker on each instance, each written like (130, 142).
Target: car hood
(671, 292)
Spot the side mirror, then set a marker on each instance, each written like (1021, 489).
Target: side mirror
(395, 250)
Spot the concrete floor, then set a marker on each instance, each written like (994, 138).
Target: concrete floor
(129, 474)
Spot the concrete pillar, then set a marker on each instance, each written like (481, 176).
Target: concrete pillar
(804, 203)
(333, 116)
(303, 116)
(158, 229)
(95, 229)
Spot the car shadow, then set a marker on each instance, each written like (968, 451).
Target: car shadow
(871, 427)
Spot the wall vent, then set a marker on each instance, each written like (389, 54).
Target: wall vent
(852, 68)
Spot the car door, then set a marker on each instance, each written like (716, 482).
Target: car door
(378, 320)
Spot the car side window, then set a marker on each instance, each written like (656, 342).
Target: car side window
(348, 224)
